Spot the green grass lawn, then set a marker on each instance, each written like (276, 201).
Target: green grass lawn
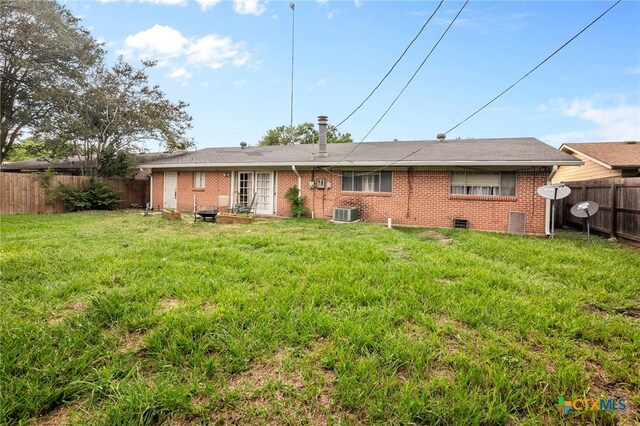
(116, 318)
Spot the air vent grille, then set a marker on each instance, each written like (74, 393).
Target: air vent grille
(461, 223)
(517, 222)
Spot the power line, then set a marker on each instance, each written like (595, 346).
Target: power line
(545, 60)
(406, 85)
(393, 67)
(533, 69)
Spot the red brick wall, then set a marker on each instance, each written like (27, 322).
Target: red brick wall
(423, 198)
(216, 183)
(417, 198)
(158, 190)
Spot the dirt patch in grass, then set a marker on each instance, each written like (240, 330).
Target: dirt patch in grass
(413, 331)
(57, 417)
(280, 390)
(74, 308)
(442, 239)
(262, 373)
(441, 372)
(398, 253)
(167, 304)
(443, 280)
(208, 308)
(132, 342)
(603, 387)
(601, 383)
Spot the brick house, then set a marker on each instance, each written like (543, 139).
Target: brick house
(491, 183)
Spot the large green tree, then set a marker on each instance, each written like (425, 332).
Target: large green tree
(113, 110)
(305, 133)
(43, 53)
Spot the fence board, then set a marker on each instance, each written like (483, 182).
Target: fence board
(619, 201)
(22, 193)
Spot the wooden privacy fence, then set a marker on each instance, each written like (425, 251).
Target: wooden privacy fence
(35, 194)
(619, 201)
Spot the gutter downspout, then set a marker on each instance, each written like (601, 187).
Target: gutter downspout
(548, 211)
(150, 187)
(293, 167)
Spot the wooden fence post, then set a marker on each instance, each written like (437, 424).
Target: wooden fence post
(613, 201)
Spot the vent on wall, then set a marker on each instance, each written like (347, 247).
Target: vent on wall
(345, 214)
(516, 222)
(461, 223)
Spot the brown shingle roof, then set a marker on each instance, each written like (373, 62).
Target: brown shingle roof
(618, 155)
(490, 152)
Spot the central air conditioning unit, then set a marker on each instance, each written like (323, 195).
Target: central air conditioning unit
(345, 214)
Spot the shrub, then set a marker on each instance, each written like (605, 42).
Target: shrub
(297, 202)
(93, 196)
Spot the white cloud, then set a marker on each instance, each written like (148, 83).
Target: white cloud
(180, 73)
(322, 2)
(172, 49)
(606, 123)
(158, 40)
(215, 52)
(207, 4)
(332, 14)
(250, 7)
(239, 83)
(166, 2)
(357, 3)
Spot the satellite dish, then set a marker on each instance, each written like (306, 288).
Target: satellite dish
(585, 209)
(554, 192)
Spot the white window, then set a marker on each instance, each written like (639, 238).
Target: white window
(198, 179)
(378, 181)
(498, 183)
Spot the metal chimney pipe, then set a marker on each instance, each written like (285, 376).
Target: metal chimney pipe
(322, 135)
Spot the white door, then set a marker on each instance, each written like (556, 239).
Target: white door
(264, 193)
(170, 190)
(245, 190)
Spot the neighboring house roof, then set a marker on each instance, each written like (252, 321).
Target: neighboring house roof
(612, 155)
(455, 152)
(69, 164)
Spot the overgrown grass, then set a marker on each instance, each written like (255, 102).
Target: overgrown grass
(115, 318)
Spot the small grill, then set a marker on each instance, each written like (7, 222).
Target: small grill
(205, 214)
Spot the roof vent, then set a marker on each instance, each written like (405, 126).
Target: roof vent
(243, 145)
(441, 137)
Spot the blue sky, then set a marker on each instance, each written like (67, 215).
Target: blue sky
(231, 61)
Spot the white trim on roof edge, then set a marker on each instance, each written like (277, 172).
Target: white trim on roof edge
(365, 164)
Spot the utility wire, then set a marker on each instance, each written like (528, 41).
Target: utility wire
(406, 85)
(545, 60)
(533, 69)
(393, 67)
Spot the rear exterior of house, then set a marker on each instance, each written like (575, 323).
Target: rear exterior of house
(489, 183)
(416, 197)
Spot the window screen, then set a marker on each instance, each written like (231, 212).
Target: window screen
(499, 183)
(378, 181)
(198, 179)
